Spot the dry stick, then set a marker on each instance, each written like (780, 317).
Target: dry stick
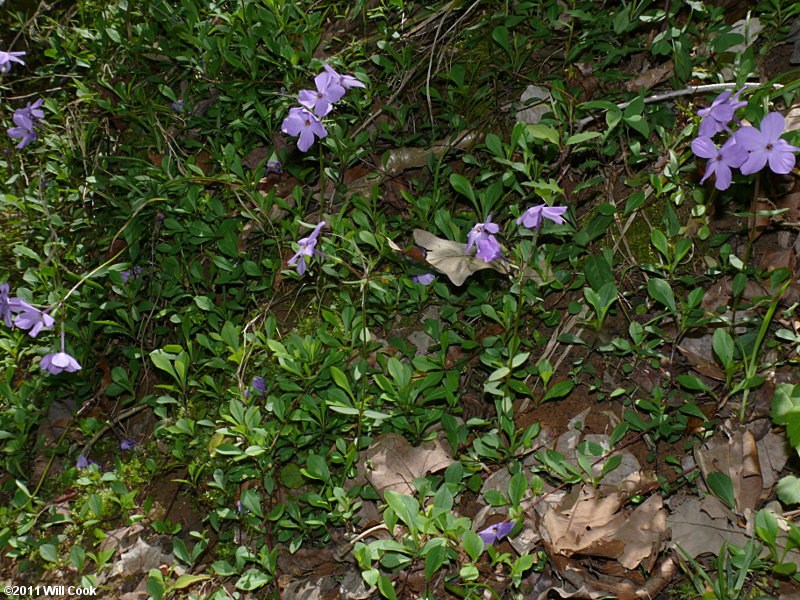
(695, 89)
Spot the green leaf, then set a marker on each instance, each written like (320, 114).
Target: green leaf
(340, 379)
(434, 559)
(789, 490)
(722, 486)
(386, 588)
(722, 342)
(473, 544)
(659, 241)
(500, 35)
(186, 580)
(661, 292)
(692, 383)
(462, 186)
(49, 553)
(543, 132)
(252, 579)
(786, 403)
(562, 388)
(582, 137)
(517, 487)
(317, 468)
(405, 507)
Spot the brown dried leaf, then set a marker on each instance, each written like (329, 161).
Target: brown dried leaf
(596, 526)
(737, 458)
(650, 79)
(450, 258)
(702, 526)
(391, 463)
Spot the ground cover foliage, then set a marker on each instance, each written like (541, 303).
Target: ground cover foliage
(389, 299)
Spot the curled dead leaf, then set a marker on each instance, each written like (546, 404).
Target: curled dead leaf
(451, 259)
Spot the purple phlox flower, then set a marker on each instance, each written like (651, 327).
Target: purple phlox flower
(532, 218)
(495, 533)
(302, 122)
(23, 130)
(177, 106)
(720, 161)
(6, 58)
(273, 166)
(766, 146)
(424, 279)
(240, 509)
(307, 248)
(84, 462)
(32, 110)
(130, 275)
(259, 385)
(717, 116)
(127, 444)
(59, 361)
(5, 305)
(481, 236)
(30, 318)
(346, 81)
(321, 101)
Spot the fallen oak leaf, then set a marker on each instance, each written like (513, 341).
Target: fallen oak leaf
(451, 259)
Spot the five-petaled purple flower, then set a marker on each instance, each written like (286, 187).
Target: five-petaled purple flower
(532, 218)
(6, 305)
(307, 245)
(321, 101)
(424, 279)
(60, 361)
(23, 131)
(6, 58)
(84, 462)
(128, 276)
(481, 236)
(495, 533)
(259, 385)
(766, 146)
(720, 160)
(346, 81)
(126, 445)
(717, 116)
(31, 318)
(302, 122)
(32, 110)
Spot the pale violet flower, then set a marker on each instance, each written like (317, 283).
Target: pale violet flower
(346, 81)
(321, 101)
(6, 58)
(720, 161)
(481, 236)
(495, 533)
(766, 146)
(302, 122)
(31, 318)
(532, 218)
(717, 116)
(307, 248)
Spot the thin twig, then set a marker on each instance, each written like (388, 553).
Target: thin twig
(695, 89)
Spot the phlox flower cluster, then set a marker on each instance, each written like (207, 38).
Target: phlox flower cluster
(304, 120)
(482, 234)
(25, 122)
(33, 320)
(749, 149)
